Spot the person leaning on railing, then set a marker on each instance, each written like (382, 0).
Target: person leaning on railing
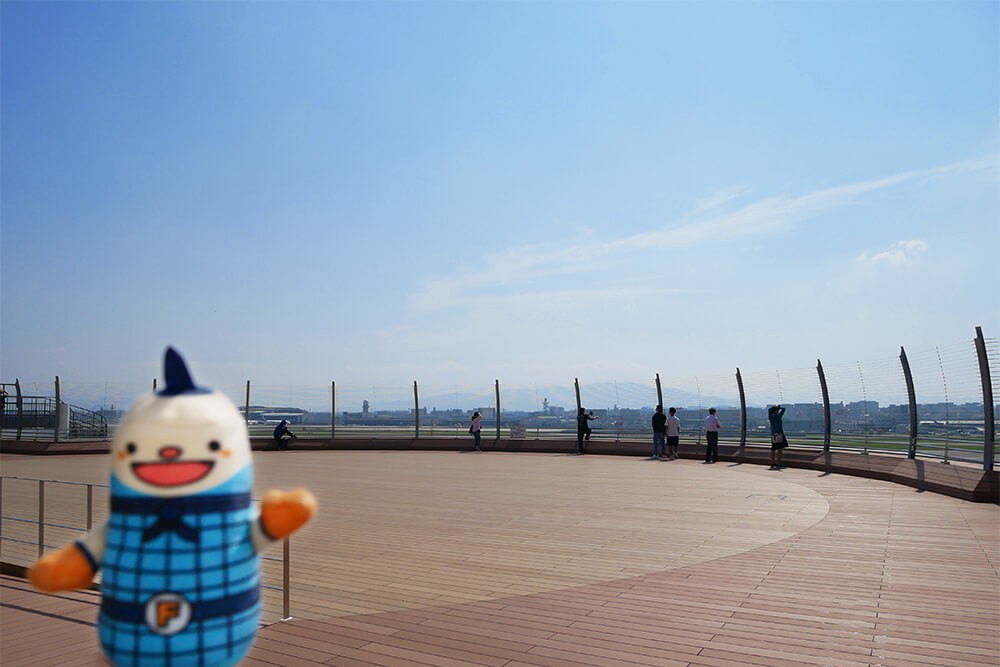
(583, 429)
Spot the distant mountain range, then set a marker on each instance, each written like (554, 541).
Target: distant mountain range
(598, 396)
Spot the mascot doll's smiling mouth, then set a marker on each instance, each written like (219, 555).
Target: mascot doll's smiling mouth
(171, 472)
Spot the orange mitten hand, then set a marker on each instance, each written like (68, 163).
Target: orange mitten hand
(61, 570)
(282, 513)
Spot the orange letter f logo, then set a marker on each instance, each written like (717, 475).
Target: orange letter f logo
(166, 611)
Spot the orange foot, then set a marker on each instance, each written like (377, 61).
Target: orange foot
(282, 513)
(61, 570)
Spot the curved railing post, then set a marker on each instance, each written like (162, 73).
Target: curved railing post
(989, 426)
(55, 431)
(416, 412)
(497, 387)
(911, 395)
(827, 425)
(743, 413)
(579, 403)
(333, 409)
(659, 391)
(20, 407)
(246, 408)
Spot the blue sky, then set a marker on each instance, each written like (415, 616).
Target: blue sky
(457, 192)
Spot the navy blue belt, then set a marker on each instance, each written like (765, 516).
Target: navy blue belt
(135, 612)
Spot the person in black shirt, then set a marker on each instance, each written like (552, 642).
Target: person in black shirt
(659, 434)
(778, 439)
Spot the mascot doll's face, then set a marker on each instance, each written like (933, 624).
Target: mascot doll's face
(178, 445)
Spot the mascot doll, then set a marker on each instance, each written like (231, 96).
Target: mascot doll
(179, 550)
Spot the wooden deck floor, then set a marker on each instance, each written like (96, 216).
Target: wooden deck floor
(445, 558)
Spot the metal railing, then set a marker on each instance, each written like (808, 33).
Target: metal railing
(936, 403)
(43, 523)
(45, 416)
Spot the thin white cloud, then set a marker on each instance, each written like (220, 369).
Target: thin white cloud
(898, 254)
(521, 269)
(717, 199)
(552, 299)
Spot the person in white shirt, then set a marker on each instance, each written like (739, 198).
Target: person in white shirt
(712, 427)
(476, 428)
(673, 434)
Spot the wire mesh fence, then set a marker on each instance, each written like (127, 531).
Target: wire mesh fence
(869, 406)
(992, 346)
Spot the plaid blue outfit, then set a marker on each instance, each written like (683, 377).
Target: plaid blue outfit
(181, 579)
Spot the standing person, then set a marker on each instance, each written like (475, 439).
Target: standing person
(3, 405)
(583, 430)
(659, 434)
(476, 428)
(778, 439)
(280, 431)
(712, 427)
(673, 434)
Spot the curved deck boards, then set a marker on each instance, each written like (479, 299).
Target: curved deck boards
(422, 558)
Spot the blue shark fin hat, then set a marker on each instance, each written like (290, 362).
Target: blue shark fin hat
(178, 378)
